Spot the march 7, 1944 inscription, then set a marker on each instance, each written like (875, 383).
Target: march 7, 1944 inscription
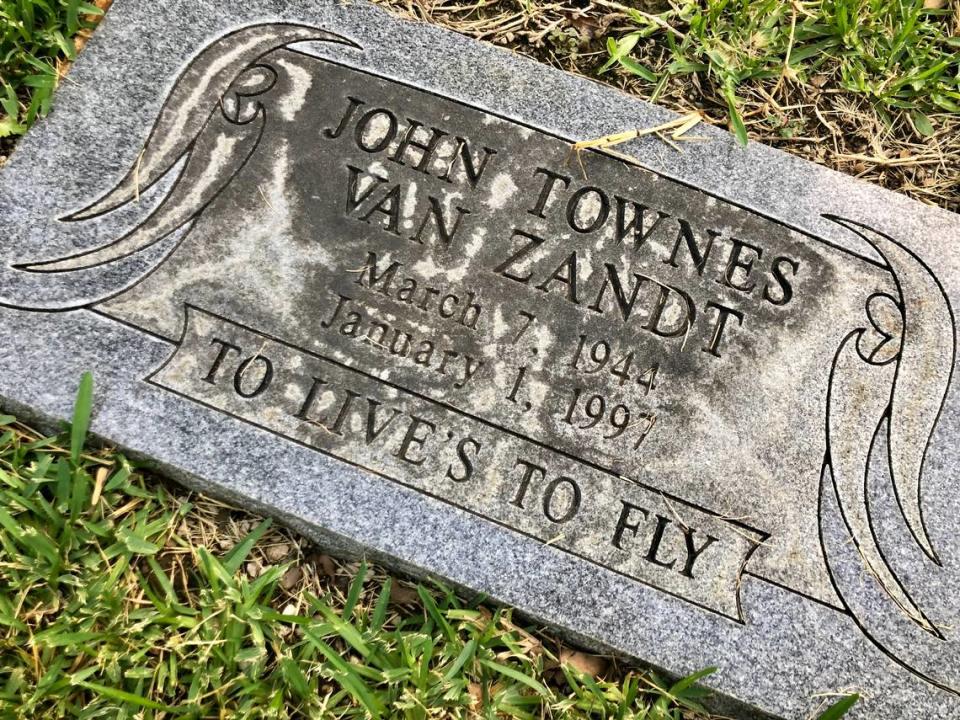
(644, 376)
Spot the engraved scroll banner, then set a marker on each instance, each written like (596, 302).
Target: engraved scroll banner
(462, 460)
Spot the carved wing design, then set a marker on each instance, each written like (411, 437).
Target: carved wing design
(891, 374)
(212, 120)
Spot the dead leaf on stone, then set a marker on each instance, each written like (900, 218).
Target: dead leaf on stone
(588, 664)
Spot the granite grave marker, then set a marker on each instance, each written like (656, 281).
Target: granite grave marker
(697, 408)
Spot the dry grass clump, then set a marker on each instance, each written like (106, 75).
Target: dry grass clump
(844, 96)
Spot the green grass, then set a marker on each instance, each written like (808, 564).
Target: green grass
(897, 54)
(35, 36)
(107, 609)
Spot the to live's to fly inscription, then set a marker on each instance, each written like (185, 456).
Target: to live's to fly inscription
(461, 459)
(442, 297)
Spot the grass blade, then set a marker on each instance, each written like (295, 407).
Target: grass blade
(238, 555)
(348, 677)
(840, 708)
(516, 675)
(124, 696)
(81, 417)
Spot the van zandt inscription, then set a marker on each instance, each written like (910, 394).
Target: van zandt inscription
(438, 295)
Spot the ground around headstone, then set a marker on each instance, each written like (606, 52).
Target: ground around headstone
(794, 91)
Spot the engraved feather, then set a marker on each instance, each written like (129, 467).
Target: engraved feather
(858, 400)
(900, 638)
(923, 372)
(193, 98)
(215, 157)
(203, 121)
(892, 374)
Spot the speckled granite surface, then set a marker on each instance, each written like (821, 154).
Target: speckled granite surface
(778, 500)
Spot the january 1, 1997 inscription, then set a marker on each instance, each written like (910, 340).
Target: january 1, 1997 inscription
(640, 374)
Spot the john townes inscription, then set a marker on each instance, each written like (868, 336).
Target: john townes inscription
(579, 351)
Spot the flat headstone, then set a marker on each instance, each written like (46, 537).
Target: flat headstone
(694, 407)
